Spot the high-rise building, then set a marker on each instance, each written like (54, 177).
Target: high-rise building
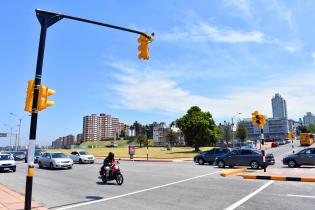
(279, 107)
(90, 128)
(309, 118)
(100, 127)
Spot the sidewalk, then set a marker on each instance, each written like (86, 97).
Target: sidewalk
(11, 200)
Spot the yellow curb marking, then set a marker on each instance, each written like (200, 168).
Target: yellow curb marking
(230, 172)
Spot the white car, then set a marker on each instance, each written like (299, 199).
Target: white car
(54, 160)
(82, 157)
(7, 162)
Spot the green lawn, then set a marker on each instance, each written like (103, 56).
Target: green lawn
(154, 152)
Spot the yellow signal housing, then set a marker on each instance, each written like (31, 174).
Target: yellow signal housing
(143, 47)
(29, 96)
(43, 94)
(254, 117)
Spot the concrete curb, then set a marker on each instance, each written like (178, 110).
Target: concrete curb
(230, 172)
(280, 178)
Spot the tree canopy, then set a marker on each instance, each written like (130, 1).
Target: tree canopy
(241, 131)
(198, 127)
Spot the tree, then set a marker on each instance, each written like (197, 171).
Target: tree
(198, 128)
(226, 132)
(141, 139)
(241, 131)
(171, 137)
(303, 129)
(311, 128)
(138, 128)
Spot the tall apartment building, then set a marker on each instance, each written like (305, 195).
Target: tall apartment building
(90, 128)
(279, 107)
(100, 127)
(309, 118)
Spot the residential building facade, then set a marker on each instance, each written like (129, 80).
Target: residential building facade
(102, 127)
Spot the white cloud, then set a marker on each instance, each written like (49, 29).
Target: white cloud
(281, 11)
(147, 91)
(200, 31)
(243, 5)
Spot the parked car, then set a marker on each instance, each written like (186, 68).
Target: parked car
(18, 155)
(55, 160)
(248, 145)
(7, 162)
(82, 157)
(209, 156)
(37, 154)
(274, 144)
(244, 157)
(281, 141)
(304, 157)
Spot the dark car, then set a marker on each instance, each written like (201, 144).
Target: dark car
(244, 157)
(209, 156)
(304, 157)
(18, 155)
(37, 154)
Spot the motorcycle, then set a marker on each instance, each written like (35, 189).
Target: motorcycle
(114, 174)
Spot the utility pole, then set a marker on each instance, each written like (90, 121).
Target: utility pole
(47, 19)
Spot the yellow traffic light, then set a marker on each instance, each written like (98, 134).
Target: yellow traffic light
(29, 96)
(43, 93)
(254, 117)
(143, 47)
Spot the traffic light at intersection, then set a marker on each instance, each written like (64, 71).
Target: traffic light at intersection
(143, 47)
(43, 94)
(29, 96)
(258, 119)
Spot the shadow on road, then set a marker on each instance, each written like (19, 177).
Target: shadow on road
(108, 183)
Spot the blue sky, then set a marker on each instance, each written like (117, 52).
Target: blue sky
(226, 56)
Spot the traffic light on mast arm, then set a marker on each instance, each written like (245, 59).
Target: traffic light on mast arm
(144, 46)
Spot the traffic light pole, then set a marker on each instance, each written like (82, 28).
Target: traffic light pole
(263, 148)
(47, 19)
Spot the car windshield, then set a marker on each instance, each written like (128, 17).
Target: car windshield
(58, 155)
(84, 153)
(38, 153)
(6, 157)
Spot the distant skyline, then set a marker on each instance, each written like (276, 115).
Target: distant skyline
(226, 56)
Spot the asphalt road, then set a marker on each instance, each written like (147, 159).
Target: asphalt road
(148, 185)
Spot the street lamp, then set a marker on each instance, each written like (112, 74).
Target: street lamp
(17, 146)
(233, 127)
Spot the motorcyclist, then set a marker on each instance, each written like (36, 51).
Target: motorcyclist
(107, 164)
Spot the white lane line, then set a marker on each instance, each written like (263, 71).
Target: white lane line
(243, 200)
(301, 196)
(132, 193)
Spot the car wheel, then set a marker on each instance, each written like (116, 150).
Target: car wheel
(201, 161)
(40, 165)
(292, 164)
(231, 166)
(221, 164)
(14, 170)
(69, 167)
(51, 166)
(80, 161)
(254, 165)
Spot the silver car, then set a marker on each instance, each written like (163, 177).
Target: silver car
(54, 160)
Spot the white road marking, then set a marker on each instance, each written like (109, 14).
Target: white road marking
(301, 196)
(132, 193)
(243, 200)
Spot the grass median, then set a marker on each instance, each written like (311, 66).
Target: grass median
(154, 152)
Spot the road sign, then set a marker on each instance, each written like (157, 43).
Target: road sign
(132, 150)
(3, 134)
